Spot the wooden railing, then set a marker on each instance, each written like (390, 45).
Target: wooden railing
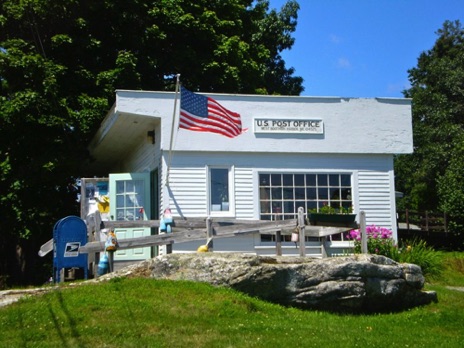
(424, 221)
(192, 229)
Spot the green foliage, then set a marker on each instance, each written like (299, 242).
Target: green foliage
(154, 313)
(450, 189)
(328, 209)
(431, 177)
(417, 251)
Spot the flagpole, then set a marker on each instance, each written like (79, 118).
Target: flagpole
(172, 129)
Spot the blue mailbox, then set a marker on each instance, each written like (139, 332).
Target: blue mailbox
(69, 234)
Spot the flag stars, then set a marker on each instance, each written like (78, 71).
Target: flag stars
(194, 103)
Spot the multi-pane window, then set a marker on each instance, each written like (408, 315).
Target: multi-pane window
(129, 200)
(281, 195)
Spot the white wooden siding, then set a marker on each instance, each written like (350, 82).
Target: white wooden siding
(244, 203)
(139, 159)
(375, 197)
(188, 191)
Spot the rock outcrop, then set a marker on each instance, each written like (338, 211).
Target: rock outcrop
(359, 283)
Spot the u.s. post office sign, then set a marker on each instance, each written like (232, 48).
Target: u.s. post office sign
(271, 125)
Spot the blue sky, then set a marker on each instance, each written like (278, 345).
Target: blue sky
(364, 48)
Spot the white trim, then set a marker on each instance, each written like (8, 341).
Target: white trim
(355, 192)
(394, 226)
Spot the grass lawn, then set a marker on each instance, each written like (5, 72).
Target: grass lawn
(143, 312)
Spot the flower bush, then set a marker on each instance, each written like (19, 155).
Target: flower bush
(379, 240)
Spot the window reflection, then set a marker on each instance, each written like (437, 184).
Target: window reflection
(219, 189)
(129, 200)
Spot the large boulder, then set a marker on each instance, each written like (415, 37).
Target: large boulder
(359, 283)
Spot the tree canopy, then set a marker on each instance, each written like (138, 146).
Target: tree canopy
(432, 177)
(61, 61)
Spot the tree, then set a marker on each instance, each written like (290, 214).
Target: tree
(451, 191)
(431, 176)
(61, 60)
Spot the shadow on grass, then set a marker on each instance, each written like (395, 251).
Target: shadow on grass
(70, 321)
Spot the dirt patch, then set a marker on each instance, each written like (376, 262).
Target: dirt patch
(11, 296)
(457, 288)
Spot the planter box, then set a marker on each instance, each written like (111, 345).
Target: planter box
(342, 220)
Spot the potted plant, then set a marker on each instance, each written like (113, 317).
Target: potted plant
(332, 216)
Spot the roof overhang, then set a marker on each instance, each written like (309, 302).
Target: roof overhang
(117, 136)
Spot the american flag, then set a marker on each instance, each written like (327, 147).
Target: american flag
(203, 114)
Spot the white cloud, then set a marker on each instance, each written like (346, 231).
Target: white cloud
(335, 39)
(343, 63)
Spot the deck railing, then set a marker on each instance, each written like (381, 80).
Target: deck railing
(424, 221)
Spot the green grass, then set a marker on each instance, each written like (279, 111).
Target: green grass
(153, 313)
(453, 272)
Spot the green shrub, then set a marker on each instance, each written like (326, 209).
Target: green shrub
(417, 251)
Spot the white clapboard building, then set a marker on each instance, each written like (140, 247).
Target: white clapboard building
(294, 151)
